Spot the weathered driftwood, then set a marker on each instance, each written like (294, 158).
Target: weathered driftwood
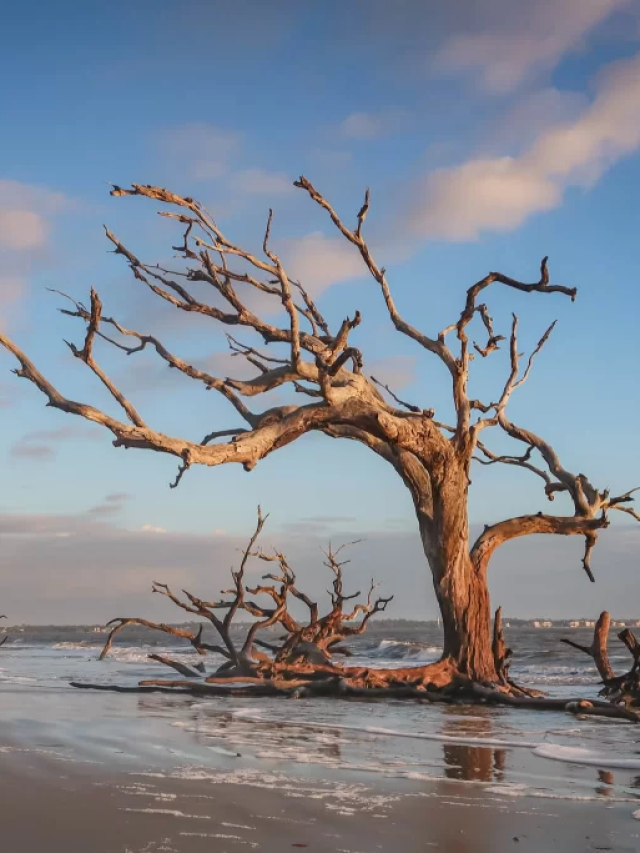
(619, 689)
(501, 653)
(469, 693)
(598, 648)
(307, 647)
(324, 366)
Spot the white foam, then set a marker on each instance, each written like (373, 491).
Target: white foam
(520, 790)
(169, 812)
(249, 713)
(579, 755)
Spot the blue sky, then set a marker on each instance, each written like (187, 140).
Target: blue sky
(490, 134)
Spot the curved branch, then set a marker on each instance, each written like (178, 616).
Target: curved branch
(525, 525)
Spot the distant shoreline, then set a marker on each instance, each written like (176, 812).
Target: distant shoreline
(513, 622)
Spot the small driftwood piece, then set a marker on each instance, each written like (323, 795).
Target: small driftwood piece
(598, 648)
(501, 654)
(619, 689)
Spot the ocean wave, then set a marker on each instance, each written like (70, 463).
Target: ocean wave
(558, 674)
(580, 755)
(400, 650)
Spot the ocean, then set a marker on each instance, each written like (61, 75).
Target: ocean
(512, 753)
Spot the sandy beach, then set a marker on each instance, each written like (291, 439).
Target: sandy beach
(45, 805)
(83, 772)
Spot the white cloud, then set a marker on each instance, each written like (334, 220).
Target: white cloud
(204, 150)
(318, 261)
(124, 563)
(520, 40)
(366, 126)
(262, 182)
(38, 452)
(500, 193)
(40, 444)
(24, 214)
(149, 528)
(22, 229)
(530, 116)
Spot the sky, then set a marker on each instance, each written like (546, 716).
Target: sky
(490, 134)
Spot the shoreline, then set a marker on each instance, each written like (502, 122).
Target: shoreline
(64, 807)
(83, 774)
(86, 771)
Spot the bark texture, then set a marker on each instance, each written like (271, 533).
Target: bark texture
(322, 366)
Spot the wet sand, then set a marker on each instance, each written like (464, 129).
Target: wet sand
(67, 807)
(82, 772)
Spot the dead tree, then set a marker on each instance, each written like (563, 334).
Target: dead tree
(325, 367)
(307, 646)
(619, 689)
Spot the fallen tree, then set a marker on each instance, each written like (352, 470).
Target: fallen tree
(308, 645)
(323, 366)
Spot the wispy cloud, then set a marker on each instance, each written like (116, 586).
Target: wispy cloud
(371, 125)
(318, 261)
(27, 212)
(48, 552)
(112, 505)
(38, 452)
(500, 193)
(261, 182)
(519, 40)
(204, 151)
(40, 444)
(150, 528)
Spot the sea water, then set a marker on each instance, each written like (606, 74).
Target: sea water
(510, 753)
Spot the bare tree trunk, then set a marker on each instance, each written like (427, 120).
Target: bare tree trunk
(460, 585)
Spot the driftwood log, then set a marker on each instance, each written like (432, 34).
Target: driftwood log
(619, 689)
(322, 365)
